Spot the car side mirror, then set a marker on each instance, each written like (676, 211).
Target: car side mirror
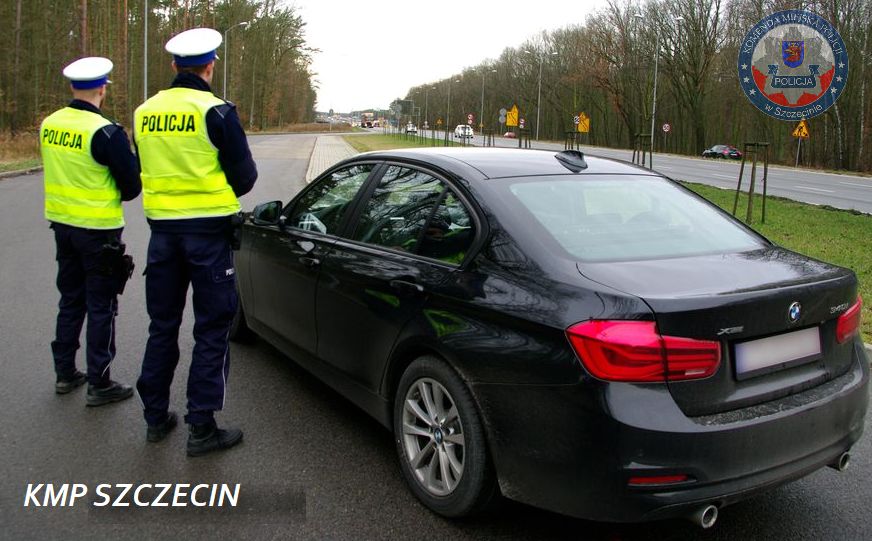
(267, 213)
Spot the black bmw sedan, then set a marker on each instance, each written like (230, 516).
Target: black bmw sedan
(575, 333)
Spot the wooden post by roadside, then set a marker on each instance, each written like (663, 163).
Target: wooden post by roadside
(753, 150)
(641, 148)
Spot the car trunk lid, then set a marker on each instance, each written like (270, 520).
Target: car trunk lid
(773, 311)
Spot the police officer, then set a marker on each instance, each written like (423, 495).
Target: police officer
(89, 170)
(195, 163)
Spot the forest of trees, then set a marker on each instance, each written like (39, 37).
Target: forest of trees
(605, 67)
(602, 66)
(268, 62)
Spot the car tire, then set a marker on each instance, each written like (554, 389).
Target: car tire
(239, 330)
(430, 389)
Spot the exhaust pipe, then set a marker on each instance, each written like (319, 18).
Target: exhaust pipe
(704, 517)
(841, 463)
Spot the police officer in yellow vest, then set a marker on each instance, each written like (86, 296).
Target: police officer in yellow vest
(195, 163)
(89, 170)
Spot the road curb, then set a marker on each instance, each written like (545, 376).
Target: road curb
(9, 174)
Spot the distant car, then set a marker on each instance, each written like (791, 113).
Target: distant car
(576, 333)
(722, 151)
(411, 128)
(510, 134)
(463, 131)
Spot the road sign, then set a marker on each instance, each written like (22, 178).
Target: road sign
(801, 130)
(666, 127)
(503, 111)
(470, 118)
(583, 123)
(502, 119)
(512, 116)
(575, 120)
(521, 124)
(439, 121)
(426, 126)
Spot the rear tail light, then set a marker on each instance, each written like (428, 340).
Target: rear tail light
(849, 323)
(635, 351)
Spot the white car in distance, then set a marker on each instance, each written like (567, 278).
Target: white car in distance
(463, 130)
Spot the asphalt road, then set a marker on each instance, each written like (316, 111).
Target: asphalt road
(312, 466)
(836, 190)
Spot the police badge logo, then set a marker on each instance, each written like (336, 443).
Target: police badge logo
(793, 65)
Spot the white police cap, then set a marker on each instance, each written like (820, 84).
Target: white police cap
(89, 72)
(194, 47)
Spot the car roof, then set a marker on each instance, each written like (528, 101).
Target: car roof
(492, 163)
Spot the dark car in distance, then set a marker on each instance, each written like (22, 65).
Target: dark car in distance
(722, 151)
(578, 334)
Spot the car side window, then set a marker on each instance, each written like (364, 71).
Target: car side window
(449, 233)
(399, 208)
(322, 207)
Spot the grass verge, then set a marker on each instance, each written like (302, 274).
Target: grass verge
(19, 152)
(365, 143)
(19, 165)
(832, 235)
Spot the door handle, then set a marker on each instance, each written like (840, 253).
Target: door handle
(310, 262)
(409, 288)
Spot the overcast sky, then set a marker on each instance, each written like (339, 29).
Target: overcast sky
(373, 51)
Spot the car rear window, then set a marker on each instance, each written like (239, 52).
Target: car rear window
(626, 218)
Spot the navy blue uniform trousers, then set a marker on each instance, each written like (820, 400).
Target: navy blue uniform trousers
(204, 261)
(86, 288)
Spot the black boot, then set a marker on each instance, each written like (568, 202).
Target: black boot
(156, 433)
(113, 392)
(206, 438)
(66, 384)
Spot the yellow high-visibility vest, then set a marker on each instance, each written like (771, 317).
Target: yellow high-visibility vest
(181, 175)
(78, 190)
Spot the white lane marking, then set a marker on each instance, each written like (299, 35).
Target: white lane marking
(723, 176)
(855, 184)
(812, 189)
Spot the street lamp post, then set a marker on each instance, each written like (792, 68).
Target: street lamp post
(481, 111)
(448, 114)
(654, 98)
(539, 93)
(677, 20)
(426, 106)
(145, 52)
(226, 58)
(411, 112)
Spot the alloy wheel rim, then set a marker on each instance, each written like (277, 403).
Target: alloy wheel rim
(433, 438)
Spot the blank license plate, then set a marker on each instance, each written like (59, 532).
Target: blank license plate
(765, 355)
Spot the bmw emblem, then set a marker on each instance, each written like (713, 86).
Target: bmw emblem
(794, 312)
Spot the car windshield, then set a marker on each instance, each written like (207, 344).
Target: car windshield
(628, 218)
